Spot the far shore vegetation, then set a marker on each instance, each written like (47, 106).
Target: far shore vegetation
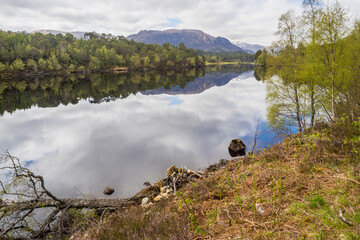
(22, 52)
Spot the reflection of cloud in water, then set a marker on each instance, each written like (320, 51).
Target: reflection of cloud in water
(174, 100)
(86, 147)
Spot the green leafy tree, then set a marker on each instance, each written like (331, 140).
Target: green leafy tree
(333, 27)
(257, 54)
(191, 61)
(147, 61)
(17, 65)
(2, 67)
(94, 64)
(53, 63)
(290, 60)
(72, 68)
(42, 64)
(31, 64)
(135, 61)
(65, 57)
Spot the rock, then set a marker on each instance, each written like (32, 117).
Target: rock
(108, 191)
(144, 201)
(150, 192)
(237, 148)
(162, 195)
(147, 184)
(170, 170)
(259, 209)
(158, 198)
(222, 164)
(163, 190)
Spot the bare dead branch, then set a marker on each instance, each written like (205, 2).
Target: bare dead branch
(24, 194)
(343, 218)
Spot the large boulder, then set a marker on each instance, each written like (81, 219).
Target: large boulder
(237, 148)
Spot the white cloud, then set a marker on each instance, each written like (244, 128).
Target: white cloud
(250, 21)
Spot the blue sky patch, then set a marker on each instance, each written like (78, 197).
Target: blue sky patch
(174, 100)
(28, 163)
(173, 22)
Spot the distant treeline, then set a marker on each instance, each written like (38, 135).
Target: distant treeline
(24, 52)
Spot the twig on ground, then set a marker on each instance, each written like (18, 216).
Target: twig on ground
(343, 218)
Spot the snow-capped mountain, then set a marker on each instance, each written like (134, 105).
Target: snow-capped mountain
(250, 48)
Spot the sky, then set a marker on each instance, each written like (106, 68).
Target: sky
(253, 21)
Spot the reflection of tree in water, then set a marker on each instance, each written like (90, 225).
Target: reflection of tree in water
(53, 91)
(235, 68)
(289, 105)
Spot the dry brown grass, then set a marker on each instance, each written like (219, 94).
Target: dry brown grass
(299, 184)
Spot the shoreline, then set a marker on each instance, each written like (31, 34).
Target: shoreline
(121, 70)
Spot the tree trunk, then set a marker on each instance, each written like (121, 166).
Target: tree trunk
(66, 203)
(297, 103)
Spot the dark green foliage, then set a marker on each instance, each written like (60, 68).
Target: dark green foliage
(16, 93)
(100, 52)
(257, 54)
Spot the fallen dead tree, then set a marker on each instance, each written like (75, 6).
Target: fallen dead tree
(24, 199)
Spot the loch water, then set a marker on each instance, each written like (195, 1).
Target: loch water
(86, 132)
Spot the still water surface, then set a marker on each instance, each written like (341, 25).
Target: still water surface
(82, 148)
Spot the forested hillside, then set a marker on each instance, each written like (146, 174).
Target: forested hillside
(20, 51)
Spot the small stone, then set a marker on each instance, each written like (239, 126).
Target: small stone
(170, 170)
(147, 184)
(144, 201)
(158, 198)
(108, 191)
(259, 209)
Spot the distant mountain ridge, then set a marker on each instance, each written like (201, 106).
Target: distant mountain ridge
(77, 35)
(195, 39)
(191, 38)
(250, 48)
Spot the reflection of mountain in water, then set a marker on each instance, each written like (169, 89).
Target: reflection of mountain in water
(213, 78)
(96, 88)
(198, 85)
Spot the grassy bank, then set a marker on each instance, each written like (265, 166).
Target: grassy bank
(307, 187)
